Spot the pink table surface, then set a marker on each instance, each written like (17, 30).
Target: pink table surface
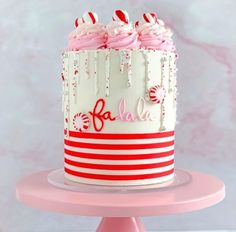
(203, 191)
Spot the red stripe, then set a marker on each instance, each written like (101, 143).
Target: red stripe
(118, 146)
(121, 16)
(118, 167)
(92, 17)
(118, 177)
(154, 16)
(76, 23)
(121, 136)
(118, 157)
(146, 18)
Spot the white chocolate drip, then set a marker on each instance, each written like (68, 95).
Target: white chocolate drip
(147, 72)
(107, 73)
(66, 97)
(125, 62)
(174, 84)
(122, 60)
(95, 72)
(129, 68)
(170, 76)
(75, 77)
(63, 73)
(87, 64)
(162, 106)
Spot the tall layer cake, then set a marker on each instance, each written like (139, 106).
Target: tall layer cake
(119, 101)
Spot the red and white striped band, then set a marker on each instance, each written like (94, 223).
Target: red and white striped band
(119, 159)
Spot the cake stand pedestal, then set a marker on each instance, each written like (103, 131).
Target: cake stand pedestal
(121, 210)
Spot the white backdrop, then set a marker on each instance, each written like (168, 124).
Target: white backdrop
(32, 37)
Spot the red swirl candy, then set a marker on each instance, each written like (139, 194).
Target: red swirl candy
(121, 15)
(150, 17)
(157, 94)
(81, 122)
(90, 17)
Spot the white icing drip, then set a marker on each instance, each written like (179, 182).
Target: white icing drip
(63, 82)
(147, 72)
(162, 106)
(87, 63)
(174, 84)
(75, 78)
(170, 74)
(95, 58)
(107, 72)
(129, 68)
(66, 92)
(125, 62)
(122, 60)
(77, 57)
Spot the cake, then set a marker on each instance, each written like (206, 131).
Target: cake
(119, 101)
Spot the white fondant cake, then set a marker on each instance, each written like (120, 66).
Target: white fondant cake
(119, 113)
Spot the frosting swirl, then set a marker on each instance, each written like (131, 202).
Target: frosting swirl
(87, 36)
(120, 33)
(122, 36)
(149, 33)
(155, 36)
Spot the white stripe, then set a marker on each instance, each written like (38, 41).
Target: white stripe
(119, 172)
(122, 141)
(141, 161)
(120, 152)
(144, 182)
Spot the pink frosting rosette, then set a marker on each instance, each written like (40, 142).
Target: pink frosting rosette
(153, 33)
(120, 32)
(88, 34)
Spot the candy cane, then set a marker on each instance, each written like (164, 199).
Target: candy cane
(81, 122)
(90, 17)
(121, 15)
(156, 94)
(150, 17)
(136, 24)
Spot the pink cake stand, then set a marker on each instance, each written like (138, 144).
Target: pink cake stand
(121, 210)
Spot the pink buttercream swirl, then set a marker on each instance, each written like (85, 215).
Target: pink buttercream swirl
(87, 36)
(155, 36)
(122, 35)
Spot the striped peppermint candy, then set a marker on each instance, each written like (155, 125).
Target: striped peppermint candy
(157, 94)
(121, 15)
(150, 17)
(136, 24)
(81, 122)
(78, 21)
(90, 17)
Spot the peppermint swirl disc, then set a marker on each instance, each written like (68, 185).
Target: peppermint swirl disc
(121, 16)
(81, 122)
(90, 17)
(150, 17)
(157, 94)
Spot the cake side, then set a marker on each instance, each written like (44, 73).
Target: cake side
(119, 101)
(115, 132)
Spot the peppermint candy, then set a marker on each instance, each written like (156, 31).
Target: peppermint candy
(150, 17)
(78, 21)
(160, 22)
(157, 94)
(90, 17)
(136, 24)
(121, 16)
(81, 122)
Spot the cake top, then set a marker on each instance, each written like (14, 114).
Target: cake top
(148, 33)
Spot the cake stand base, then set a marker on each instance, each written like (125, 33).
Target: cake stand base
(120, 209)
(120, 224)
